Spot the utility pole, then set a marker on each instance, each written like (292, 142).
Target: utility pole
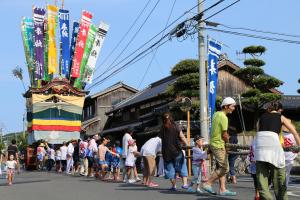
(202, 76)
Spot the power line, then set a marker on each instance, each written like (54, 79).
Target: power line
(140, 54)
(132, 61)
(123, 37)
(221, 10)
(152, 38)
(255, 36)
(132, 38)
(155, 51)
(255, 30)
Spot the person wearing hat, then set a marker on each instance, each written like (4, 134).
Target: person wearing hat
(219, 136)
(199, 155)
(40, 152)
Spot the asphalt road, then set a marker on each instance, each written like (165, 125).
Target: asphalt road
(52, 186)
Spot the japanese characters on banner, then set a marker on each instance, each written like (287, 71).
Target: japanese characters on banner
(27, 36)
(87, 50)
(73, 44)
(214, 50)
(38, 20)
(80, 42)
(78, 51)
(52, 51)
(65, 44)
(98, 43)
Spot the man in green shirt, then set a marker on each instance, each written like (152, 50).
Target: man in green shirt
(218, 138)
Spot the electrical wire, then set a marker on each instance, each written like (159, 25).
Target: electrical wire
(255, 36)
(131, 62)
(152, 38)
(110, 67)
(258, 31)
(140, 54)
(123, 37)
(155, 51)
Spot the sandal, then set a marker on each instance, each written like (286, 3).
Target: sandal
(208, 189)
(227, 193)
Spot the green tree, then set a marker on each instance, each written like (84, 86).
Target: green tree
(186, 85)
(253, 74)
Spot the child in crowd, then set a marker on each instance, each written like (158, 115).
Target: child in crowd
(41, 152)
(289, 141)
(11, 166)
(108, 159)
(102, 149)
(130, 160)
(116, 161)
(199, 155)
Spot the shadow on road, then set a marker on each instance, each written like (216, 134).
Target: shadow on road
(23, 182)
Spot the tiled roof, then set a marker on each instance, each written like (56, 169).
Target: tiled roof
(113, 87)
(152, 91)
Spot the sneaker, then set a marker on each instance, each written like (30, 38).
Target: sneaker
(190, 189)
(138, 179)
(199, 191)
(185, 186)
(131, 181)
(125, 180)
(151, 184)
(227, 193)
(173, 189)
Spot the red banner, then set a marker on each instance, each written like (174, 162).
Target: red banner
(84, 26)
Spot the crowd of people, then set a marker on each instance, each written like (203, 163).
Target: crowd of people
(164, 155)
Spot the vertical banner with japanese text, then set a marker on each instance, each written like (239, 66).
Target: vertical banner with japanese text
(38, 20)
(52, 50)
(87, 50)
(98, 43)
(65, 44)
(214, 50)
(85, 22)
(73, 44)
(47, 77)
(27, 35)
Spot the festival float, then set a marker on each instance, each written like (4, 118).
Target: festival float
(60, 64)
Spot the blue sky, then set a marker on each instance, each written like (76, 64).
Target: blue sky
(281, 58)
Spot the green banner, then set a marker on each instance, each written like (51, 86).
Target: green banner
(86, 53)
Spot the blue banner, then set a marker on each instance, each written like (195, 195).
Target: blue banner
(214, 50)
(73, 42)
(65, 44)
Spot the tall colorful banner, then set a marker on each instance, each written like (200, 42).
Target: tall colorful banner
(38, 20)
(98, 43)
(47, 77)
(214, 50)
(27, 35)
(65, 44)
(52, 50)
(84, 26)
(73, 44)
(86, 53)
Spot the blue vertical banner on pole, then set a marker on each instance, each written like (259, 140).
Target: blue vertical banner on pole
(214, 50)
(65, 44)
(73, 43)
